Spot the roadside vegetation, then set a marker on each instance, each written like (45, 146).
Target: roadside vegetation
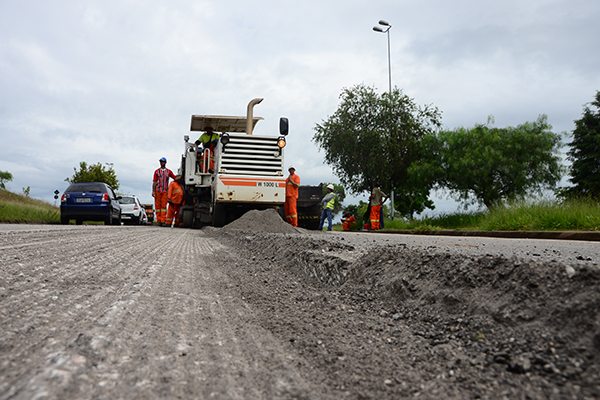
(538, 215)
(542, 215)
(390, 141)
(15, 208)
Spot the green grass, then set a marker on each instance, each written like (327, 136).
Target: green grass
(539, 215)
(545, 215)
(20, 208)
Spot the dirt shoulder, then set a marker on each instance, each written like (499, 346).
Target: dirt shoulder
(395, 321)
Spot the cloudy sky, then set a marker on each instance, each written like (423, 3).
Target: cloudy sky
(116, 82)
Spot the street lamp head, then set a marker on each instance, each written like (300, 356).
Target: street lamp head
(384, 23)
(377, 29)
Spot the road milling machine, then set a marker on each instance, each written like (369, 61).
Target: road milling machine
(247, 172)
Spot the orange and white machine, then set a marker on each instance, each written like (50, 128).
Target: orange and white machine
(248, 170)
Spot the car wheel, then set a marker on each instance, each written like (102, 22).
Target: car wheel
(109, 218)
(118, 220)
(64, 220)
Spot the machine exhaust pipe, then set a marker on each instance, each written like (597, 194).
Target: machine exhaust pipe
(250, 115)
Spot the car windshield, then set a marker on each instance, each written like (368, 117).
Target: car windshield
(127, 200)
(85, 187)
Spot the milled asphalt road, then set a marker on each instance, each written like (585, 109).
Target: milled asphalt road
(108, 312)
(556, 250)
(566, 247)
(592, 236)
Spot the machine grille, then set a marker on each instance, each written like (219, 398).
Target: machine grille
(251, 155)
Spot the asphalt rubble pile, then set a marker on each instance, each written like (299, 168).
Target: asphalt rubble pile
(382, 321)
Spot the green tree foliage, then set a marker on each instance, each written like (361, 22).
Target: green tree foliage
(413, 197)
(373, 137)
(487, 165)
(585, 154)
(5, 177)
(94, 173)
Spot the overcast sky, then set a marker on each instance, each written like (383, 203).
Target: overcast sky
(117, 81)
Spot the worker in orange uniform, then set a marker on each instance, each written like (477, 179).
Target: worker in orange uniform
(160, 187)
(377, 198)
(291, 196)
(175, 199)
(208, 140)
(348, 221)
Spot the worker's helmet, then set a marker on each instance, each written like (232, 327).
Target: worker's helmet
(291, 167)
(163, 159)
(330, 186)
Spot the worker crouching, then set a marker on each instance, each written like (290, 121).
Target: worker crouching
(175, 199)
(348, 222)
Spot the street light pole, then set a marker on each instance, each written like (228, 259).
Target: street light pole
(379, 29)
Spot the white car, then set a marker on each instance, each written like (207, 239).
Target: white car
(131, 210)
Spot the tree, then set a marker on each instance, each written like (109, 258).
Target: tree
(486, 165)
(373, 137)
(94, 173)
(5, 177)
(585, 154)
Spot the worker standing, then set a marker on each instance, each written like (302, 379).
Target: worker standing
(208, 140)
(377, 198)
(291, 196)
(175, 200)
(328, 202)
(160, 187)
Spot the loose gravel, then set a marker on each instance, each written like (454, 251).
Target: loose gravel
(259, 309)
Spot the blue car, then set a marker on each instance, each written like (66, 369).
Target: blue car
(90, 201)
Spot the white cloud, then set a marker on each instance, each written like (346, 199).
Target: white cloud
(117, 81)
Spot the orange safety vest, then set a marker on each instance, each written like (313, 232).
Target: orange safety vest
(175, 194)
(291, 190)
(349, 223)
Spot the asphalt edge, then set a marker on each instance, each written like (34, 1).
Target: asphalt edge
(591, 236)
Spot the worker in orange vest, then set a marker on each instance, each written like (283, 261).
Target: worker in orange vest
(175, 198)
(291, 196)
(348, 221)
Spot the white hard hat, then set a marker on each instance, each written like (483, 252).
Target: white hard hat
(330, 186)
(291, 167)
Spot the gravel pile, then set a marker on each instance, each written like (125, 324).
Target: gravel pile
(261, 221)
(397, 321)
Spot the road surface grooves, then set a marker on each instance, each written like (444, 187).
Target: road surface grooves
(261, 310)
(106, 313)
